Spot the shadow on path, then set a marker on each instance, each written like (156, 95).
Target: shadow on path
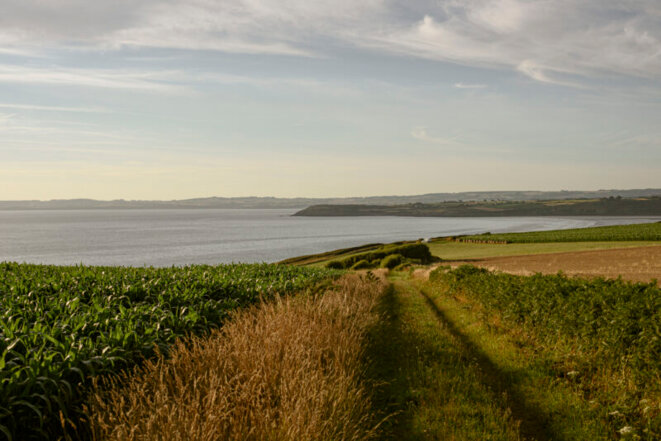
(533, 422)
(389, 366)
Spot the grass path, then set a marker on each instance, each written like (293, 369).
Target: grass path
(444, 375)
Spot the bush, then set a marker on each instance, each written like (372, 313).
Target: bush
(414, 251)
(361, 264)
(418, 251)
(334, 264)
(391, 261)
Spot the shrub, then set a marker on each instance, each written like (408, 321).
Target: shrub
(361, 264)
(414, 251)
(391, 261)
(334, 264)
(418, 251)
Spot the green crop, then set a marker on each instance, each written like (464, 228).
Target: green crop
(61, 326)
(595, 234)
(611, 325)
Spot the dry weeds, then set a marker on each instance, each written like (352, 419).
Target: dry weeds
(287, 370)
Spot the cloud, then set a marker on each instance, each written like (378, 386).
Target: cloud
(157, 81)
(470, 86)
(4, 119)
(420, 133)
(282, 27)
(538, 73)
(628, 141)
(456, 143)
(549, 41)
(52, 108)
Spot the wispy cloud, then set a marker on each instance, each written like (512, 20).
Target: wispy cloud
(16, 52)
(630, 141)
(52, 108)
(544, 40)
(113, 79)
(420, 133)
(170, 81)
(470, 86)
(455, 143)
(566, 38)
(538, 73)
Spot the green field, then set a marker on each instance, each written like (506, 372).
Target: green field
(473, 355)
(635, 232)
(557, 241)
(61, 326)
(600, 337)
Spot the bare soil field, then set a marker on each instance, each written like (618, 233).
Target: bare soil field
(636, 264)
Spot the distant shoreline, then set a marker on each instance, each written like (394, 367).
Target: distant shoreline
(612, 206)
(297, 203)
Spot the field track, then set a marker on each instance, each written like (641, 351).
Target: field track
(636, 264)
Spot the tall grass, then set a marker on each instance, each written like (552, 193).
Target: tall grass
(290, 369)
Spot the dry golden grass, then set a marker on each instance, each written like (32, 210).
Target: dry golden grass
(287, 370)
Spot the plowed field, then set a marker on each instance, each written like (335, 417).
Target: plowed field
(636, 264)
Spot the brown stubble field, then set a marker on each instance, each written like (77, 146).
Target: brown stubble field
(640, 264)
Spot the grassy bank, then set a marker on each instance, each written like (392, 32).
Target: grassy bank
(62, 326)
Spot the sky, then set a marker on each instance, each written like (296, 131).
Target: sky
(174, 99)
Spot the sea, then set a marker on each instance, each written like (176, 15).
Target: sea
(167, 237)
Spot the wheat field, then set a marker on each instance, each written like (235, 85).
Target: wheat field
(289, 369)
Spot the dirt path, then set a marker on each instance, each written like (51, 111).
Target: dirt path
(640, 264)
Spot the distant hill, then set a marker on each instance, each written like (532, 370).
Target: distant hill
(610, 206)
(272, 202)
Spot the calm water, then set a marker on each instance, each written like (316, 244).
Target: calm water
(179, 237)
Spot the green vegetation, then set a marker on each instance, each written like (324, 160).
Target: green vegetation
(426, 383)
(600, 338)
(61, 326)
(409, 253)
(611, 206)
(451, 250)
(474, 355)
(509, 244)
(392, 261)
(335, 254)
(636, 232)
(361, 264)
